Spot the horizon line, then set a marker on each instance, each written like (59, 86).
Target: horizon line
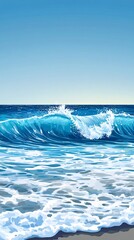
(45, 104)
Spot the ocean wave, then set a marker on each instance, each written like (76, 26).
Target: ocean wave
(61, 125)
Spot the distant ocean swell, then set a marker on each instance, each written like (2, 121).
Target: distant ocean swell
(62, 125)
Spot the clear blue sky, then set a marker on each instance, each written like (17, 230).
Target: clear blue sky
(66, 51)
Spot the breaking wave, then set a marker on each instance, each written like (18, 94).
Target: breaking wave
(61, 125)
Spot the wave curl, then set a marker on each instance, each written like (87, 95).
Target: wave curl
(61, 125)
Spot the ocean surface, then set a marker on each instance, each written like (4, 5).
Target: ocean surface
(68, 168)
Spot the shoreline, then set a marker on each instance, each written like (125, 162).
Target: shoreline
(122, 232)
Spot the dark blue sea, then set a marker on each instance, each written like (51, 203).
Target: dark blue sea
(65, 168)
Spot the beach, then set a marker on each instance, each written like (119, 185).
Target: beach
(122, 232)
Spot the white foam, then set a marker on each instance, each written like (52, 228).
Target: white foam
(17, 226)
(67, 188)
(95, 131)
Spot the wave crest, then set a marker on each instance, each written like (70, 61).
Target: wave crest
(62, 125)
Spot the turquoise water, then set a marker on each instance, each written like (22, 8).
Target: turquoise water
(65, 168)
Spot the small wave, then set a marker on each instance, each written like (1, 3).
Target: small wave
(44, 224)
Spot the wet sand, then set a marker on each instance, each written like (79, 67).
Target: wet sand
(123, 232)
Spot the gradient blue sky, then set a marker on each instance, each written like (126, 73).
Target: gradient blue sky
(66, 51)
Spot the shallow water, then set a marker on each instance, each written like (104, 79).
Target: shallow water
(65, 168)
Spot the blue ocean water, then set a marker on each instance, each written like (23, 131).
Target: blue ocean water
(66, 168)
